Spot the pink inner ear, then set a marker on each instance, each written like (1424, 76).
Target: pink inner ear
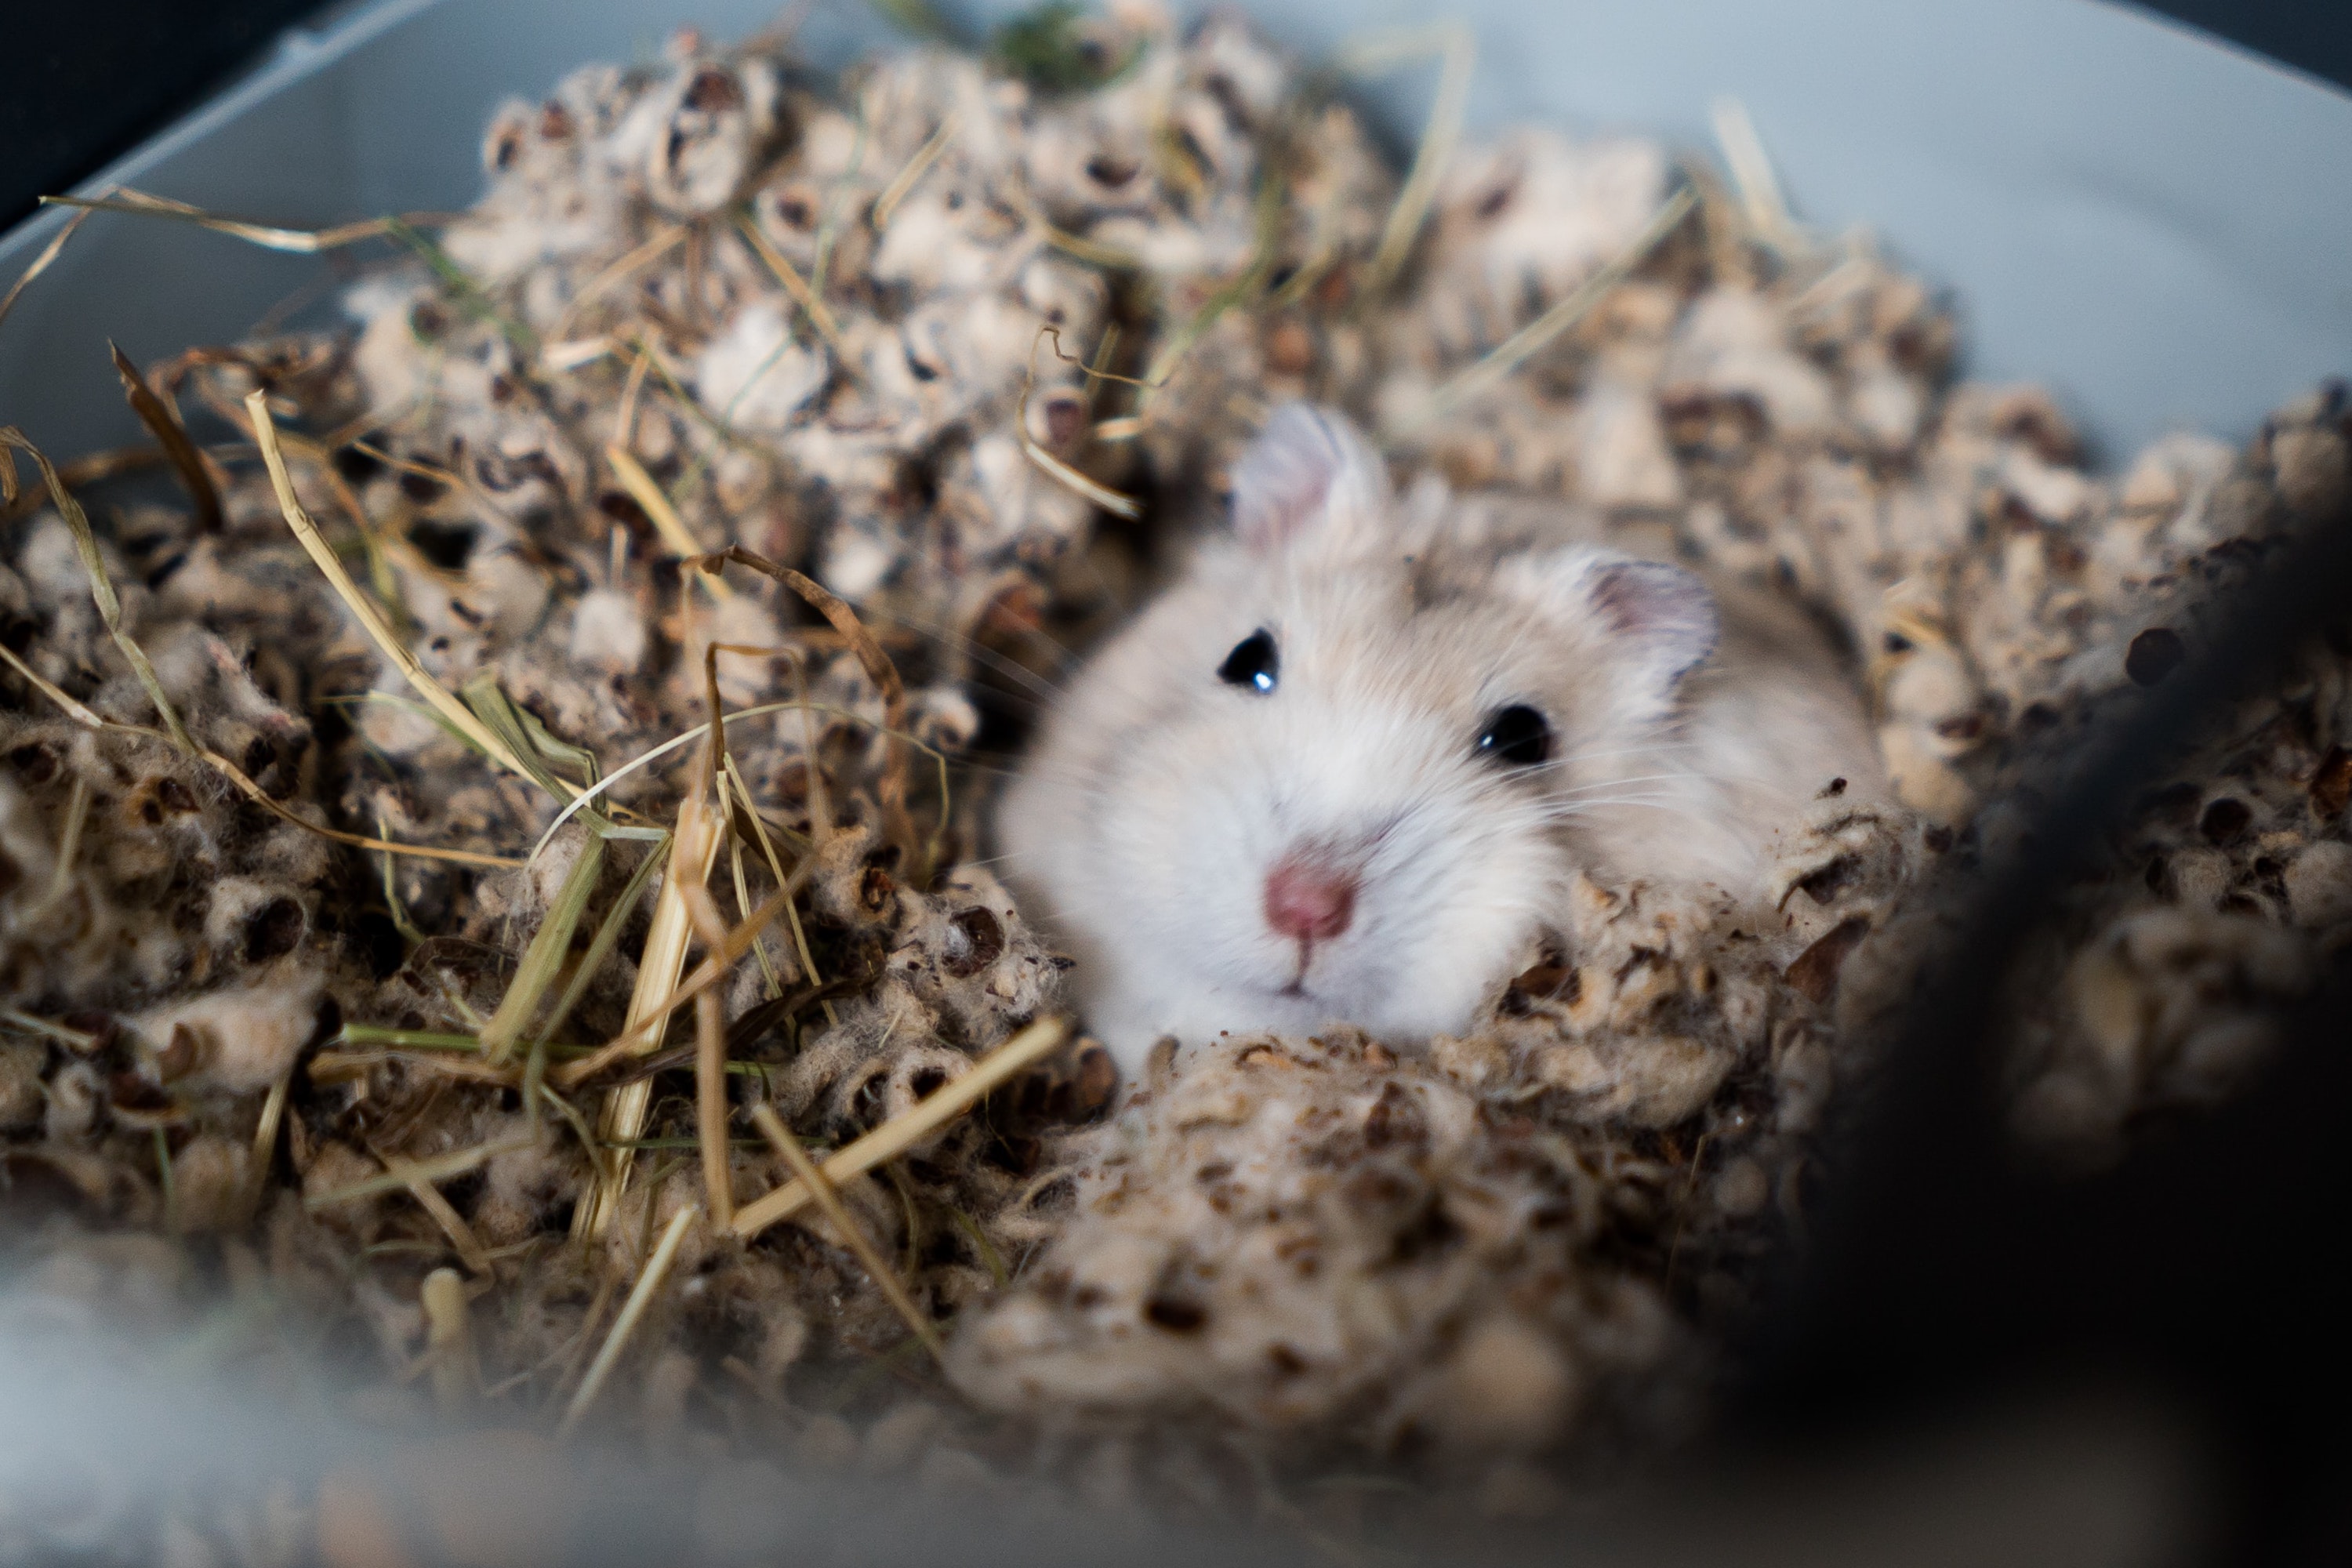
(1304, 460)
(1664, 610)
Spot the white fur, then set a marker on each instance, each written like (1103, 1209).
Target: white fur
(1156, 797)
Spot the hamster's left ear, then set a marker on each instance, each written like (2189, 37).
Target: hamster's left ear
(1311, 480)
(1650, 624)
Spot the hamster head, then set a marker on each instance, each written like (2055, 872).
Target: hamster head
(1340, 771)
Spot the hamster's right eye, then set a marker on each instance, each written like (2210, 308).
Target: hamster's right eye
(1253, 663)
(1518, 735)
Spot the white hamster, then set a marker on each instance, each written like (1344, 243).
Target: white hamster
(1349, 766)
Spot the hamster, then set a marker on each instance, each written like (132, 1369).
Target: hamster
(1349, 767)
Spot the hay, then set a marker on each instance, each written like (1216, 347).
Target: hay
(467, 724)
(591, 393)
(641, 1294)
(165, 426)
(102, 584)
(1458, 53)
(894, 1136)
(809, 1175)
(297, 241)
(43, 262)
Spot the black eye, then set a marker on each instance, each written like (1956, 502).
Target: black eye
(1253, 663)
(1518, 735)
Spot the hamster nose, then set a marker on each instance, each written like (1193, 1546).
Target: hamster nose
(1307, 902)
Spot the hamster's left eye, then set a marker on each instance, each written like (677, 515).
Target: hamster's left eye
(1253, 663)
(1518, 735)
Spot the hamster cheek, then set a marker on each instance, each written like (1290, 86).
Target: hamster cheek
(1166, 873)
(1476, 933)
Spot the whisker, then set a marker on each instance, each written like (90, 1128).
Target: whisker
(1042, 689)
(1586, 809)
(1574, 790)
(1640, 749)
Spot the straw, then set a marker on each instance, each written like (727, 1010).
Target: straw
(693, 849)
(806, 1171)
(300, 241)
(1458, 52)
(1751, 172)
(265, 435)
(165, 426)
(894, 1136)
(41, 263)
(916, 167)
(648, 495)
(448, 1340)
(101, 587)
(876, 662)
(549, 945)
(1523, 344)
(399, 1173)
(641, 1296)
(794, 284)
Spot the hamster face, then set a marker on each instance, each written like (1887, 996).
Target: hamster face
(1333, 776)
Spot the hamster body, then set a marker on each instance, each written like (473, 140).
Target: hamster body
(1349, 767)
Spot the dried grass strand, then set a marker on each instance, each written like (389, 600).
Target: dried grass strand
(461, 1237)
(916, 167)
(644, 759)
(68, 847)
(173, 437)
(399, 1173)
(1094, 253)
(641, 1295)
(894, 1136)
(727, 811)
(101, 586)
(550, 944)
(580, 1130)
(278, 809)
(74, 709)
(870, 657)
(265, 435)
(1458, 53)
(1516, 349)
(448, 1340)
(82, 472)
(78, 1041)
(80, 714)
(1062, 473)
(710, 1041)
(631, 1040)
(269, 236)
(1753, 181)
(1068, 478)
(767, 848)
(608, 937)
(265, 1140)
(648, 494)
(808, 1174)
(405, 1039)
(42, 262)
(711, 1104)
(802, 293)
(642, 256)
(694, 845)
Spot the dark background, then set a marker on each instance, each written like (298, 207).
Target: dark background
(91, 81)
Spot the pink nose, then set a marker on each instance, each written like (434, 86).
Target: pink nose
(1308, 901)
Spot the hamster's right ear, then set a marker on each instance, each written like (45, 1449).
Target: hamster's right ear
(1647, 623)
(1311, 480)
